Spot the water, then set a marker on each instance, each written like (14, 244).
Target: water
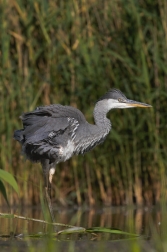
(145, 221)
(128, 219)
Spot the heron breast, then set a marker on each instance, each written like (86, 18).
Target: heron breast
(67, 151)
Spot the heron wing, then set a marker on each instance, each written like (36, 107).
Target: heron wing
(49, 122)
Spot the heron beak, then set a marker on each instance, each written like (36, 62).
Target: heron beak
(138, 104)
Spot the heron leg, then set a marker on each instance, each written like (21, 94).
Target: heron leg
(48, 174)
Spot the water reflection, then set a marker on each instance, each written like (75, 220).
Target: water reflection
(126, 219)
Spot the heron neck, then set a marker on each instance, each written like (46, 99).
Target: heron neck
(100, 111)
(93, 135)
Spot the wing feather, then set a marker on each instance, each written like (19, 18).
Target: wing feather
(48, 120)
(47, 130)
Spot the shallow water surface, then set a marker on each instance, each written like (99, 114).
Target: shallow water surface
(146, 222)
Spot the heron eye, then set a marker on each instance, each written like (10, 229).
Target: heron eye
(121, 100)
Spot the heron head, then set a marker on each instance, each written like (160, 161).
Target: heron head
(116, 99)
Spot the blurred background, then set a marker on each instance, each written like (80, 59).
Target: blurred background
(72, 52)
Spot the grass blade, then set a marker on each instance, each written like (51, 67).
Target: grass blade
(108, 230)
(72, 230)
(3, 191)
(9, 179)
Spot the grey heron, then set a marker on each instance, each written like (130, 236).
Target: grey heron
(52, 134)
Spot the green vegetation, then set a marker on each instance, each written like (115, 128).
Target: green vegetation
(72, 52)
(6, 176)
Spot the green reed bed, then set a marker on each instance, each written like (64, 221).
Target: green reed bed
(72, 52)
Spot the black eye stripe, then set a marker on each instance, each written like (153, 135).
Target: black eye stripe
(121, 100)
